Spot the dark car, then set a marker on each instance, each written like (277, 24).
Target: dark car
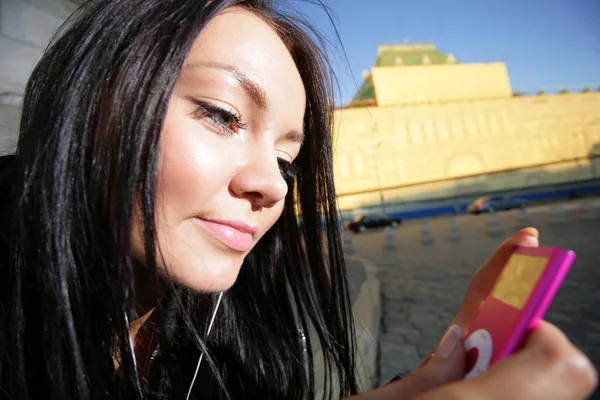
(495, 203)
(363, 222)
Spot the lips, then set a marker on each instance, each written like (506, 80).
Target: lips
(236, 235)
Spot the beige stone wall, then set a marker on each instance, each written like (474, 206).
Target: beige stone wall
(10, 118)
(419, 152)
(423, 84)
(26, 27)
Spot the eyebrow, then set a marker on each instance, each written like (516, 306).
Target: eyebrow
(295, 136)
(252, 89)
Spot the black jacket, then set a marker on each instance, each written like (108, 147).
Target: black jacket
(6, 191)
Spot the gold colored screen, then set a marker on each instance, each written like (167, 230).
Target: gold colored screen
(518, 279)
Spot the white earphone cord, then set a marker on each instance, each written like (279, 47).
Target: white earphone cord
(202, 353)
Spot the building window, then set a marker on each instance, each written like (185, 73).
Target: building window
(401, 134)
(416, 136)
(457, 127)
(400, 169)
(505, 126)
(343, 165)
(494, 124)
(442, 129)
(471, 127)
(547, 144)
(482, 124)
(358, 164)
(429, 131)
(387, 156)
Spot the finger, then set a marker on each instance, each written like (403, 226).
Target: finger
(558, 370)
(491, 269)
(486, 276)
(548, 367)
(488, 273)
(446, 364)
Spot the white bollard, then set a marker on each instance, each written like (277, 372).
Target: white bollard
(559, 214)
(426, 236)
(454, 233)
(589, 210)
(494, 225)
(524, 220)
(390, 238)
(348, 243)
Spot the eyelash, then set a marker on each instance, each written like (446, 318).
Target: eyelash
(212, 112)
(289, 170)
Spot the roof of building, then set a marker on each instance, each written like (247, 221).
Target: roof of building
(402, 55)
(411, 54)
(366, 91)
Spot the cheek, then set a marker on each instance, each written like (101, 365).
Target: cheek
(270, 216)
(191, 171)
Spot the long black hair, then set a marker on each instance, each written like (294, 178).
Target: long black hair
(86, 161)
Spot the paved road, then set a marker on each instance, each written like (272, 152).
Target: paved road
(423, 285)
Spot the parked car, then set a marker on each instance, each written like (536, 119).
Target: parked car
(495, 203)
(363, 222)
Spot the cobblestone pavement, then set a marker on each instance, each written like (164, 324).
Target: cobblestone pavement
(423, 285)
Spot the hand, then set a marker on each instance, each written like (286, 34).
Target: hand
(483, 281)
(447, 362)
(547, 367)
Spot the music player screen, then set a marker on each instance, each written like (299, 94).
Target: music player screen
(518, 279)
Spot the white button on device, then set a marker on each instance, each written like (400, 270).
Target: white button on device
(482, 341)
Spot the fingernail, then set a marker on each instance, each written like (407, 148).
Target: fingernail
(450, 340)
(531, 232)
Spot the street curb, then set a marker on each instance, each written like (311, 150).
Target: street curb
(366, 309)
(367, 319)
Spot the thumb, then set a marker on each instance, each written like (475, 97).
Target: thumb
(445, 364)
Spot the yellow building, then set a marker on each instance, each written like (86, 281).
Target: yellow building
(425, 127)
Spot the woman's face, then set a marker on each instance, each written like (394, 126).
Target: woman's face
(233, 126)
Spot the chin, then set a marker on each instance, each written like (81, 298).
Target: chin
(209, 275)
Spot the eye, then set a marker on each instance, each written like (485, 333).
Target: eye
(288, 170)
(226, 122)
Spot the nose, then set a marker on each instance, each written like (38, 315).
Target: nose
(260, 181)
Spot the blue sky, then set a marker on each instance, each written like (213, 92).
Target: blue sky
(546, 44)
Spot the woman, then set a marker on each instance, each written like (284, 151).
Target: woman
(166, 148)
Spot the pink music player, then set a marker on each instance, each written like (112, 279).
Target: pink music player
(519, 299)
